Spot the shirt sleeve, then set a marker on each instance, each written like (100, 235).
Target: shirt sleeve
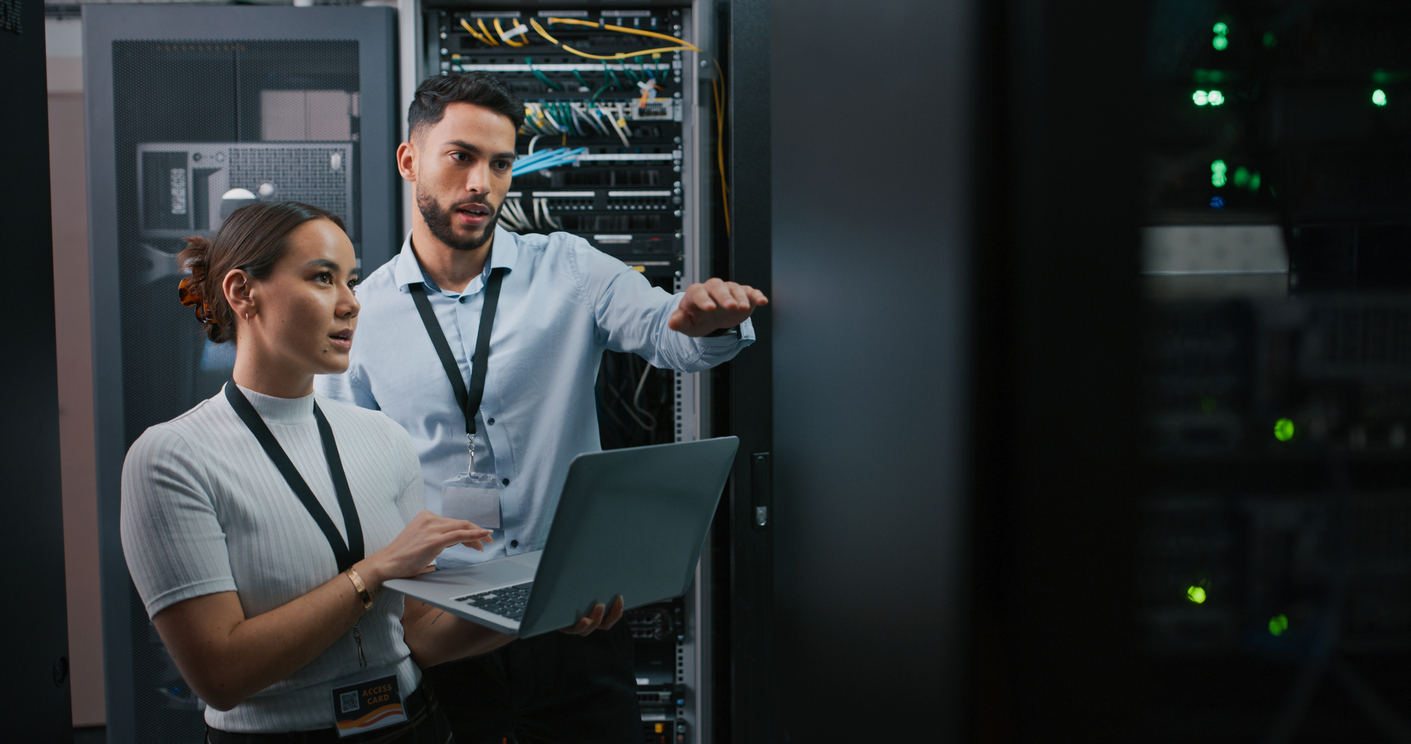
(171, 536)
(632, 315)
(347, 387)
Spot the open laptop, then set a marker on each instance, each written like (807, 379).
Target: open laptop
(629, 522)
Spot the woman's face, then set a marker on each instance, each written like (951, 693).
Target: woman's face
(305, 311)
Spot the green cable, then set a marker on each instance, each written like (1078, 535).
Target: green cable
(581, 80)
(608, 73)
(597, 93)
(562, 107)
(551, 84)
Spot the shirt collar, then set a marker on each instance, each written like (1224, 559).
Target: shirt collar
(504, 254)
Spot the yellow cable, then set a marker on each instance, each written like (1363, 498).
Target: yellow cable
(625, 30)
(620, 55)
(501, 31)
(475, 33)
(493, 40)
(716, 87)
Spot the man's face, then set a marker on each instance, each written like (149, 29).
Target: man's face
(461, 172)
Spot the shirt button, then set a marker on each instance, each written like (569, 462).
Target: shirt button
(462, 300)
(514, 543)
(491, 422)
(506, 481)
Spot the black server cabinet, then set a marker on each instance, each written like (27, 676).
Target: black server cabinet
(35, 689)
(192, 112)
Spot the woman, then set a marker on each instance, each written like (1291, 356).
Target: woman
(260, 525)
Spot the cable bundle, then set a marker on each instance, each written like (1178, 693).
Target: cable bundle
(546, 159)
(577, 119)
(513, 216)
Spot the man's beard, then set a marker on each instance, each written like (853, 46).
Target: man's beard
(438, 220)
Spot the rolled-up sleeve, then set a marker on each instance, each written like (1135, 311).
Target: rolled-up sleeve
(631, 315)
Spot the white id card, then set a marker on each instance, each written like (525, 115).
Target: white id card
(474, 497)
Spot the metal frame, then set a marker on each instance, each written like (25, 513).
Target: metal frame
(104, 25)
(751, 380)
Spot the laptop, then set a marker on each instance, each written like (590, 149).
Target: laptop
(629, 522)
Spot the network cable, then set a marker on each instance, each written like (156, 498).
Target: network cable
(683, 45)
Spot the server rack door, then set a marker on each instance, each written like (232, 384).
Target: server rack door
(35, 688)
(192, 112)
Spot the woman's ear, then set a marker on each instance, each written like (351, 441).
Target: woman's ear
(238, 287)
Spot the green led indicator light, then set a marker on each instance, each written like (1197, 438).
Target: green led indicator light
(1283, 430)
(1217, 173)
(1241, 177)
(1220, 42)
(1278, 624)
(1379, 97)
(1196, 594)
(1221, 29)
(1269, 39)
(1211, 97)
(1254, 181)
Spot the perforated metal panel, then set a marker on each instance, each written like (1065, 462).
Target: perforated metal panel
(181, 184)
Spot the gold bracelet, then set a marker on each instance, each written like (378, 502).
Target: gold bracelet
(360, 587)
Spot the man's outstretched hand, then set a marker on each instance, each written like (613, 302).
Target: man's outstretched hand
(714, 305)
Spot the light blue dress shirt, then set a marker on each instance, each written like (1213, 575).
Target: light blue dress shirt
(562, 303)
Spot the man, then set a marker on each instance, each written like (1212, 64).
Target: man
(555, 303)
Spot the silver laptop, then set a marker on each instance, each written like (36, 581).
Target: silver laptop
(629, 522)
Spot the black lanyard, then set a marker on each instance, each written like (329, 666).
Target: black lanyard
(346, 555)
(469, 399)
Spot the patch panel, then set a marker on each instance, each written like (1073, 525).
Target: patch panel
(608, 81)
(651, 624)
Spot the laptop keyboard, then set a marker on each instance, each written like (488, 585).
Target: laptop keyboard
(507, 602)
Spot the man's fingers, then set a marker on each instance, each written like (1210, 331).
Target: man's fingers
(721, 294)
(758, 297)
(698, 297)
(613, 615)
(742, 297)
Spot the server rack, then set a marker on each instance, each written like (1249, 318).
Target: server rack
(1276, 565)
(192, 112)
(637, 191)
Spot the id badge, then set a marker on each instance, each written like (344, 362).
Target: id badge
(368, 706)
(474, 497)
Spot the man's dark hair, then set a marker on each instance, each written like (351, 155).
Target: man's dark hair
(479, 88)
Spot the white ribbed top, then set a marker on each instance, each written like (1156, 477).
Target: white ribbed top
(205, 510)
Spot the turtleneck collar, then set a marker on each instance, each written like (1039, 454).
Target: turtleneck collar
(280, 410)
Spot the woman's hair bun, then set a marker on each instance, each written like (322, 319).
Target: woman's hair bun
(194, 290)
